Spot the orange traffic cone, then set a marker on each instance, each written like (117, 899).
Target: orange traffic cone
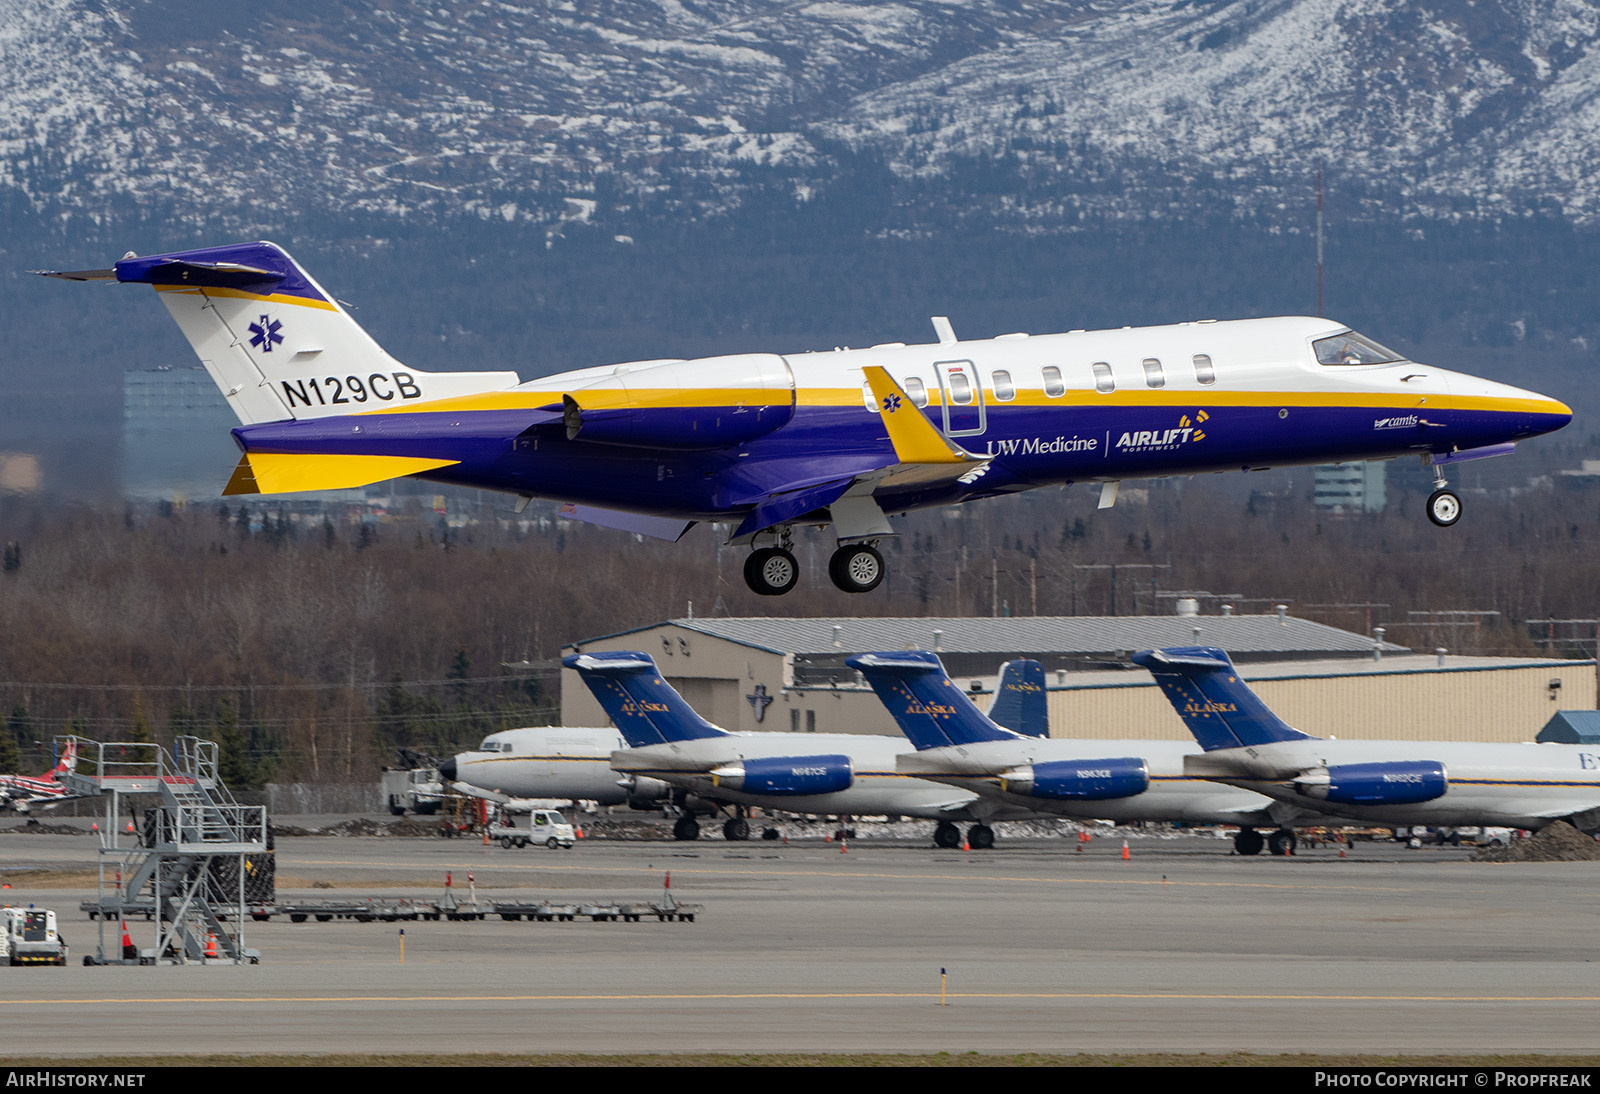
(1125, 855)
(129, 952)
(965, 846)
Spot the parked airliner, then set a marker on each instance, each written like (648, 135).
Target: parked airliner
(1086, 779)
(820, 773)
(766, 442)
(1430, 783)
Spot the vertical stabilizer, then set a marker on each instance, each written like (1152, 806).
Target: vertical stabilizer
(644, 707)
(1019, 699)
(1220, 710)
(930, 709)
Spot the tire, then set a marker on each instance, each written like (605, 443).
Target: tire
(947, 836)
(507, 842)
(1248, 842)
(856, 568)
(552, 843)
(1281, 842)
(771, 571)
(395, 808)
(686, 829)
(1444, 508)
(980, 837)
(735, 829)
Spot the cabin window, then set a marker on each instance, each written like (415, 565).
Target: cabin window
(870, 399)
(960, 388)
(916, 391)
(1351, 348)
(1004, 389)
(1054, 386)
(1153, 375)
(1104, 382)
(1203, 372)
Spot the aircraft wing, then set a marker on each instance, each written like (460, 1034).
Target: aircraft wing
(923, 457)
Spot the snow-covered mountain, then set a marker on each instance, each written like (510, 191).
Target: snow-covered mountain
(1036, 113)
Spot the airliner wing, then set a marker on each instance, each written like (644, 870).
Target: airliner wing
(923, 457)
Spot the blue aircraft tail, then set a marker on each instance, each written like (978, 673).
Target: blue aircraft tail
(1019, 703)
(1204, 688)
(644, 707)
(931, 710)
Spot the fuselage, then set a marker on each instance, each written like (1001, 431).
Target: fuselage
(1510, 785)
(876, 786)
(1170, 796)
(712, 438)
(560, 762)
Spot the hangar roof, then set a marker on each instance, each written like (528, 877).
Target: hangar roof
(1245, 637)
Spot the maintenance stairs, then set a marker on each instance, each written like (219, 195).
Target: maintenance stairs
(186, 870)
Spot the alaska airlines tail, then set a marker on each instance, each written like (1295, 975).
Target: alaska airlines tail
(1204, 688)
(69, 760)
(1019, 703)
(926, 703)
(644, 707)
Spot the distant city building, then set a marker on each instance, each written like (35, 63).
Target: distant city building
(1351, 487)
(175, 435)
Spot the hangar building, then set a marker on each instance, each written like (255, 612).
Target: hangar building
(789, 674)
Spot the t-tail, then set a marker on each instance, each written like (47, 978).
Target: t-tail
(643, 706)
(1019, 700)
(68, 762)
(1220, 710)
(930, 709)
(282, 349)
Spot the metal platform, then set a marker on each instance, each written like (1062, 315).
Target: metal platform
(186, 871)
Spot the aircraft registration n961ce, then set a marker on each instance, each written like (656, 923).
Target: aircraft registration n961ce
(767, 441)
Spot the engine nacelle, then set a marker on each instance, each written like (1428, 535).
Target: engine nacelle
(787, 776)
(1400, 782)
(644, 793)
(1079, 780)
(710, 403)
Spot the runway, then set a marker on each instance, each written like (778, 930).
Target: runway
(1184, 948)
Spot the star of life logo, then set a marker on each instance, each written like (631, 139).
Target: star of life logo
(265, 334)
(1165, 440)
(891, 403)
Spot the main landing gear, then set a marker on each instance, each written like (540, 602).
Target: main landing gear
(947, 835)
(854, 568)
(1247, 841)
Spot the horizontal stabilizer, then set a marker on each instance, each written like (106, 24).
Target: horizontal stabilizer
(290, 472)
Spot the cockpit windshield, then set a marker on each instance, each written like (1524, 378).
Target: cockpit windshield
(492, 745)
(1351, 348)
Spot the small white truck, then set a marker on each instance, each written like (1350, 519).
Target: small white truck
(546, 826)
(418, 789)
(28, 936)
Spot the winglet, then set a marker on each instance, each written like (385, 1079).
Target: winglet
(1219, 708)
(915, 439)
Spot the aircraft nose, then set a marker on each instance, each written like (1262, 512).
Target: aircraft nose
(447, 769)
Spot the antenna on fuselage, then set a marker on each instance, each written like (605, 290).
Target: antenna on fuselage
(942, 327)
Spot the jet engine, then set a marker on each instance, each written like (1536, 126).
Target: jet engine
(709, 403)
(1079, 780)
(1401, 782)
(786, 775)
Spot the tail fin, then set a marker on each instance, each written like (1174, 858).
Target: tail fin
(926, 703)
(278, 344)
(644, 707)
(1019, 701)
(1220, 710)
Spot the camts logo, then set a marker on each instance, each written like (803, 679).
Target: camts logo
(1405, 421)
(1185, 432)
